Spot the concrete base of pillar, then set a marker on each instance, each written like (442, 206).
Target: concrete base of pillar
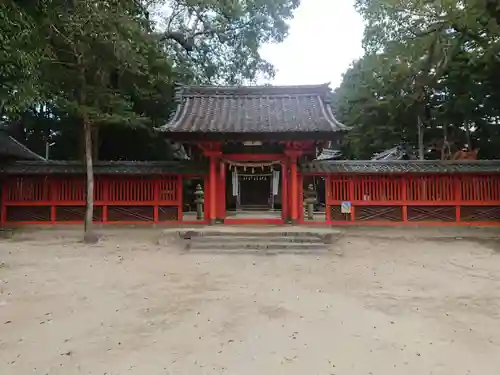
(212, 221)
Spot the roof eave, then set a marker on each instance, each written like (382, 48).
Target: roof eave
(333, 120)
(249, 136)
(21, 151)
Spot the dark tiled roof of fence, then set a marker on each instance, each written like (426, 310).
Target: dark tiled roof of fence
(400, 166)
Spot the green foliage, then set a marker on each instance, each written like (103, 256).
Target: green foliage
(217, 42)
(109, 63)
(96, 50)
(20, 51)
(428, 62)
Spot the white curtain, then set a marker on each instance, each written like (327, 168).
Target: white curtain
(235, 182)
(276, 182)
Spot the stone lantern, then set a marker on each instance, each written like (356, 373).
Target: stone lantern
(199, 200)
(310, 199)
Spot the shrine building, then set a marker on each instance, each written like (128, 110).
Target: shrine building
(253, 139)
(250, 155)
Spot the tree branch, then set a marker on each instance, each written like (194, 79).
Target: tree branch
(186, 40)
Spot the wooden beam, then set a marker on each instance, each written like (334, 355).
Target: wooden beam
(254, 157)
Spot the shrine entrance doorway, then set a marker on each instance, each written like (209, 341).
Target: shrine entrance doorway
(253, 191)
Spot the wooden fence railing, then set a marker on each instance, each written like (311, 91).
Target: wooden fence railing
(403, 199)
(375, 199)
(117, 199)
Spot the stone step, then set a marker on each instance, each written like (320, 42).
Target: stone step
(217, 251)
(201, 233)
(245, 245)
(260, 239)
(255, 242)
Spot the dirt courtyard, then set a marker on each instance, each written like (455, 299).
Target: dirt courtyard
(384, 301)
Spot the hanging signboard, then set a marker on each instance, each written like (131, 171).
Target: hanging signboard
(345, 207)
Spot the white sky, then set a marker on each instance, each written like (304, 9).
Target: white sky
(324, 38)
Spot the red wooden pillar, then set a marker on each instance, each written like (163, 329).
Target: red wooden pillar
(294, 201)
(206, 190)
(284, 190)
(300, 198)
(213, 190)
(222, 192)
(212, 150)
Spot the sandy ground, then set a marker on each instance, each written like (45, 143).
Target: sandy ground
(383, 302)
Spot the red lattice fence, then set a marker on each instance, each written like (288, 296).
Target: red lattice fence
(118, 199)
(403, 199)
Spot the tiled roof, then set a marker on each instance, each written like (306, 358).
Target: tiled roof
(401, 166)
(105, 167)
(399, 152)
(191, 167)
(253, 109)
(11, 148)
(328, 154)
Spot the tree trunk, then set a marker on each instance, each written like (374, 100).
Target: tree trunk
(420, 132)
(467, 136)
(445, 148)
(95, 144)
(89, 235)
(94, 136)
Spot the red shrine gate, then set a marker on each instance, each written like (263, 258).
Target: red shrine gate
(247, 128)
(216, 185)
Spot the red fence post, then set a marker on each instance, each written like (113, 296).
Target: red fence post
(457, 198)
(52, 197)
(328, 195)
(156, 198)
(179, 198)
(3, 200)
(352, 197)
(404, 197)
(105, 199)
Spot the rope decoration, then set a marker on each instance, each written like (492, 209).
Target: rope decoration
(233, 165)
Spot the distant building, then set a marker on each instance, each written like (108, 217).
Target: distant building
(11, 149)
